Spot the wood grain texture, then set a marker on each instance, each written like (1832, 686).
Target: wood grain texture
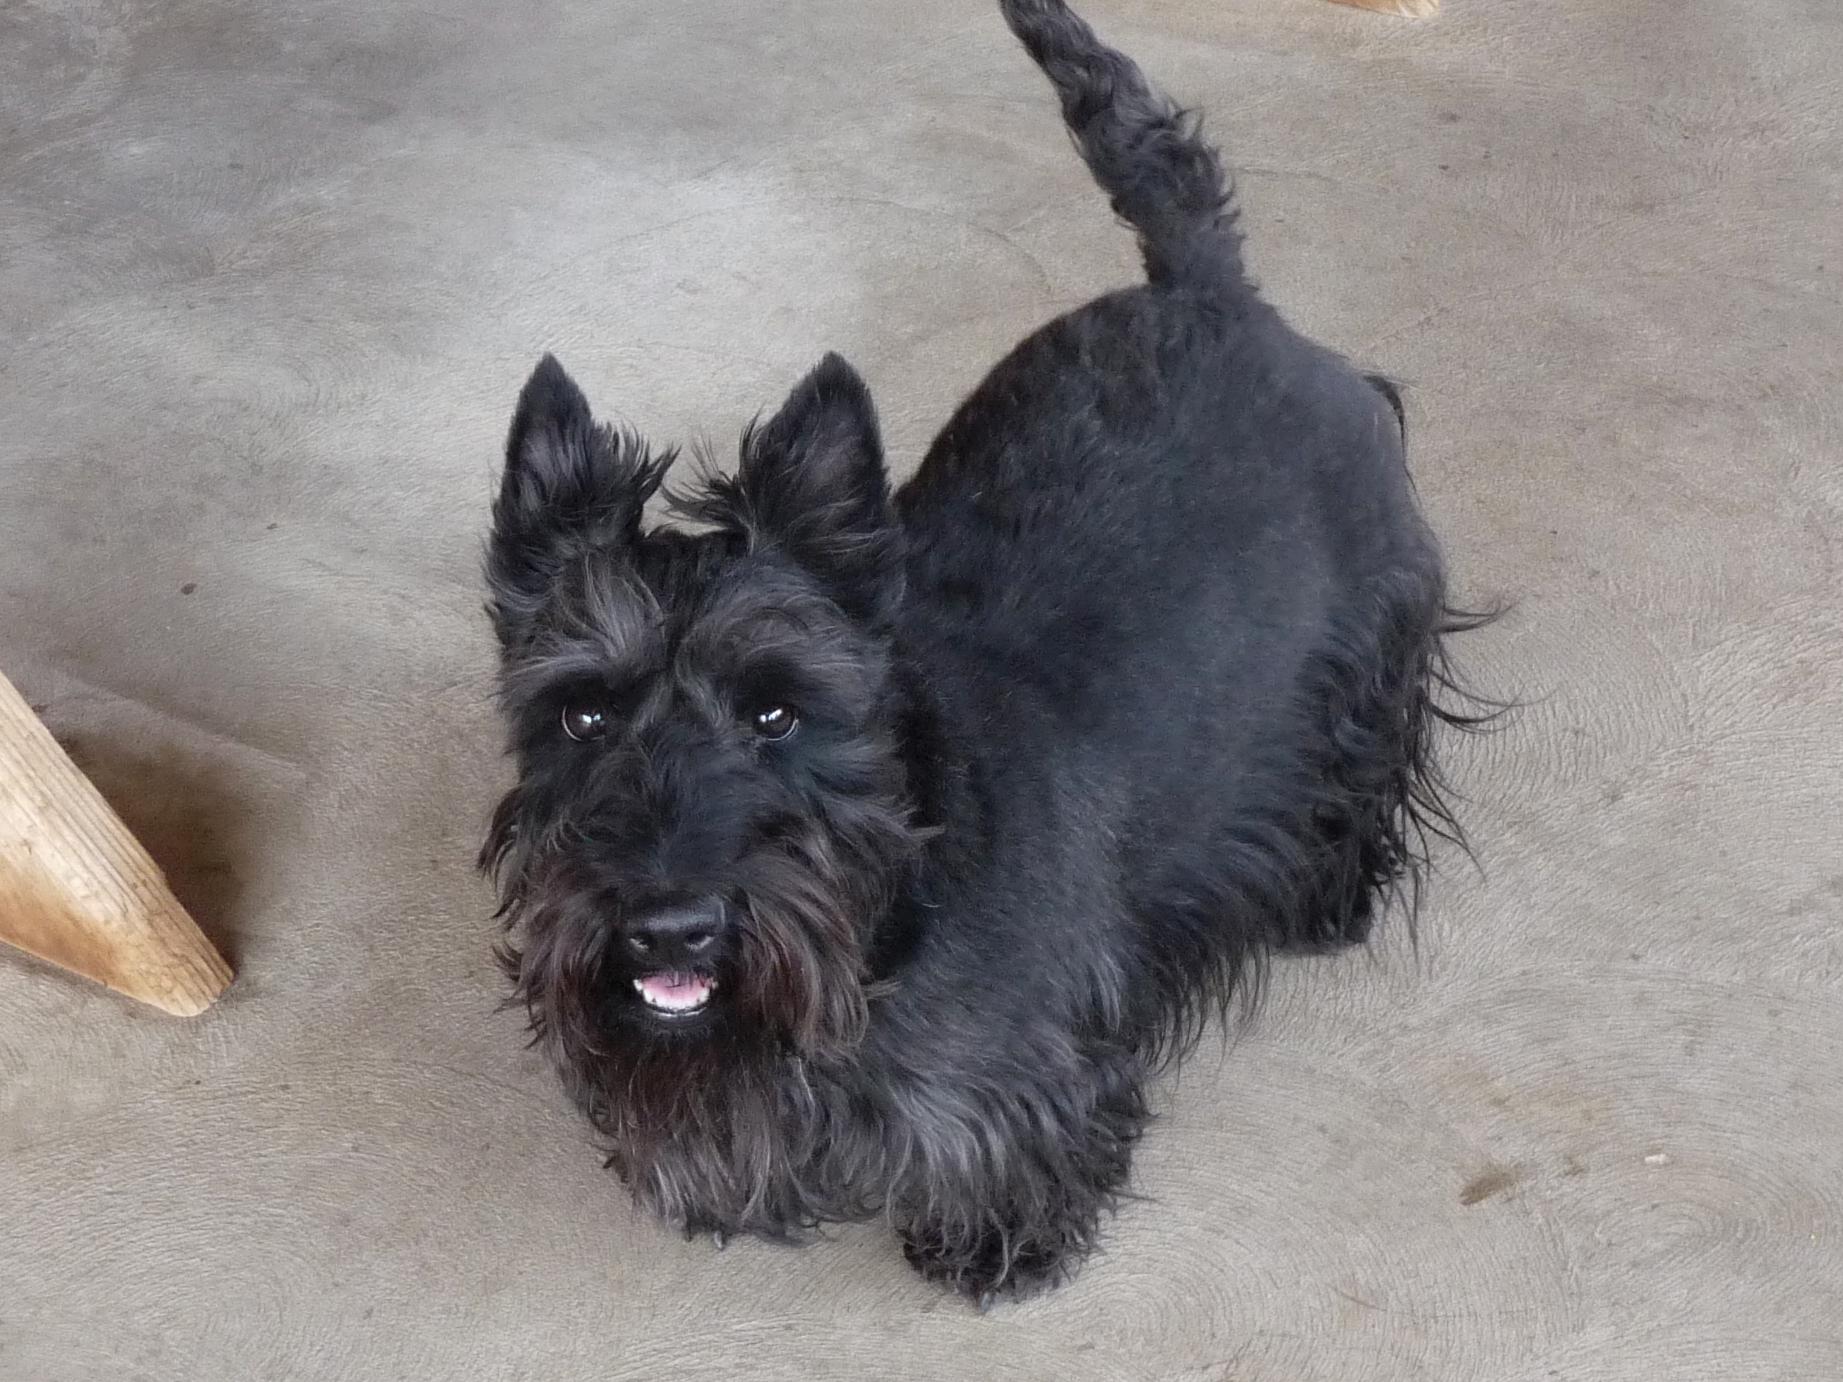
(76, 887)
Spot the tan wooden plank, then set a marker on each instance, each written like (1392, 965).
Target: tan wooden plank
(76, 887)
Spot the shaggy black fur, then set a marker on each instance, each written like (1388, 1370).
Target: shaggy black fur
(868, 854)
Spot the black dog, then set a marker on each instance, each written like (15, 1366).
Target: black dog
(869, 854)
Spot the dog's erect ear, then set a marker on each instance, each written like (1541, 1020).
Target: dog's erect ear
(571, 487)
(812, 483)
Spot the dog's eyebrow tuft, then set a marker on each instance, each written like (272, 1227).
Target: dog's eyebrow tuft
(606, 627)
(556, 664)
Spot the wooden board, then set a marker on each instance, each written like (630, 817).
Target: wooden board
(76, 887)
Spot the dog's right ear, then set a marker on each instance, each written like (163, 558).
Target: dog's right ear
(571, 487)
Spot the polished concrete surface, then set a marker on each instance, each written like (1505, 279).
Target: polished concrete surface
(270, 276)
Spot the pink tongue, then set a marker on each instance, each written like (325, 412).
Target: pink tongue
(676, 989)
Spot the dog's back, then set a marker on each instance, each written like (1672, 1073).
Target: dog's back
(1169, 549)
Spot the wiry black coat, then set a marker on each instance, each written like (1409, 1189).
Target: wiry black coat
(1130, 686)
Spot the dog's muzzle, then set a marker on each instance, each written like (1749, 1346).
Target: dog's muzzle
(676, 948)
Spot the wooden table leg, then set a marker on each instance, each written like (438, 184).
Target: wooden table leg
(76, 887)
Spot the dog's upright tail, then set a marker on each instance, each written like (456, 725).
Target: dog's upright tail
(1147, 154)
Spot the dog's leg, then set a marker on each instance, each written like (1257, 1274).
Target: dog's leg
(1013, 1258)
(1382, 797)
(1342, 913)
(1015, 1230)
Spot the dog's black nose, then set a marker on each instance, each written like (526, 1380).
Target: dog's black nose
(680, 934)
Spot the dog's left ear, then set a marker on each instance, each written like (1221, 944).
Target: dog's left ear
(812, 482)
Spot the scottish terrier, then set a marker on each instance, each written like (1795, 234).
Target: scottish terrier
(870, 852)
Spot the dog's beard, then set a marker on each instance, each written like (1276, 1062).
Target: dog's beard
(795, 981)
(711, 1116)
(800, 970)
(709, 1123)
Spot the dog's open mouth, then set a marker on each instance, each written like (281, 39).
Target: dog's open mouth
(676, 995)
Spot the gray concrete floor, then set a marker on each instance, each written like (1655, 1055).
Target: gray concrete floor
(270, 275)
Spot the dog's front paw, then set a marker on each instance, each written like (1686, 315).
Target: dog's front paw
(984, 1271)
(718, 1234)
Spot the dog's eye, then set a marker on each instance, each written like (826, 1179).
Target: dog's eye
(772, 722)
(584, 720)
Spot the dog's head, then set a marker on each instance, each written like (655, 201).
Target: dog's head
(710, 807)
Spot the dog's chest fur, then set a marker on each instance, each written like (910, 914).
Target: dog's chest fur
(906, 1130)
